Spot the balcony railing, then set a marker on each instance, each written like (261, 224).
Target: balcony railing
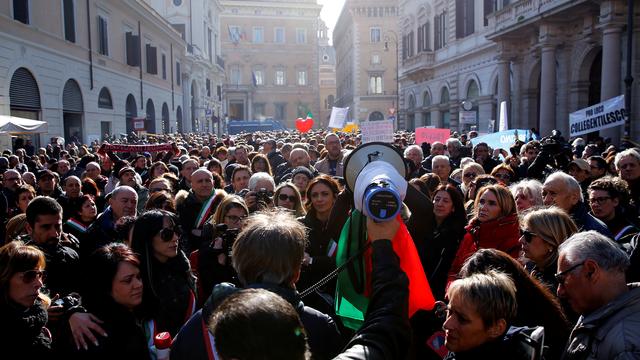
(520, 11)
(422, 61)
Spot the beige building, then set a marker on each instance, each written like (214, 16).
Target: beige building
(90, 70)
(270, 50)
(327, 76)
(366, 39)
(198, 22)
(545, 58)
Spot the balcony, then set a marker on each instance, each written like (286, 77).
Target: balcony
(523, 12)
(418, 67)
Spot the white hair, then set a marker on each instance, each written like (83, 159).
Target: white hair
(255, 178)
(633, 152)
(454, 142)
(412, 147)
(591, 245)
(531, 188)
(439, 158)
(570, 182)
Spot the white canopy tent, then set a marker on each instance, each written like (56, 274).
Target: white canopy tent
(16, 125)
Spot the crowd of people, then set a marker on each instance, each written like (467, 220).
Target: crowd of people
(532, 251)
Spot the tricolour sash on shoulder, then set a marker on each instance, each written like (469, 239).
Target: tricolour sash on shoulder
(208, 208)
(77, 225)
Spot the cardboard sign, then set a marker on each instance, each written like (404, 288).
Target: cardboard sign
(468, 117)
(607, 114)
(502, 139)
(431, 135)
(338, 117)
(381, 130)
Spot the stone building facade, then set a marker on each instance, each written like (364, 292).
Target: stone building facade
(366, 39)
(326, 76)
(270, 51)
(90, 70)
(545, 58)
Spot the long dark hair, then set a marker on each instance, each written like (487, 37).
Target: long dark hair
(103, 267)
(459, 213)
(14, 258)
(321, 179)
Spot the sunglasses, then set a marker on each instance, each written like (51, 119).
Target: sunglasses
(470, 175)
(235, 219)
(285, 197)
(561, 276)
(502, 176)
(528, 235)
(30, 275)
(167, 234)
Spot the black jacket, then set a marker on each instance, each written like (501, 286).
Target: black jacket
(438, 252)
(317, 247)
(323, 335)
(22, 331)
(101, 232)
(585, 221)
(386, 333)
(63, 268)
(275, 158)
(188, 211)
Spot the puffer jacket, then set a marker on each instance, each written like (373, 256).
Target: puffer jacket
(501, 234)
(611, 332)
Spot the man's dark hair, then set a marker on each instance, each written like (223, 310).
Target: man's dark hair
(42, 205)
(602, 163)
(258, 324)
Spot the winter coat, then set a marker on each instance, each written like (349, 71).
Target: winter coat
(318, 247)
(23, 331)
(101, 232)
(502, 234)
(275, 158)
(324, 167)
(585, 221)
(611, 332)
(323, 335)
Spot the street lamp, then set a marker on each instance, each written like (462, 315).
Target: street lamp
(386, 48)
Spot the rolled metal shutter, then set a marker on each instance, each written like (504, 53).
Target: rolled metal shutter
(23, 91)
(72, 97)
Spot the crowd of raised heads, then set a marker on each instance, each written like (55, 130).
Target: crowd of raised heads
(530, 251)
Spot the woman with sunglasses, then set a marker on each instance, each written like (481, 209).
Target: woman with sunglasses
(23, 308)
(287, 196)
(494, 225)
(169, 285)
(211, 262)
(504, 173)
(541, 232)
(115, 294)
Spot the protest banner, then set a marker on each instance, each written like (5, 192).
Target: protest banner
(607, 114)
(431, 135)
(338, 117)
(380, 130)
(503, 122)
(502, 139)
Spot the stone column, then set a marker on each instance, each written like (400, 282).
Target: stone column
(435, 117)
(504, 90)
(611, 73)
(548, 90)
(484, 112)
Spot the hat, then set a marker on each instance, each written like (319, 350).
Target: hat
(581, 164)
(124, 170)
(43, 173)
(302, 170)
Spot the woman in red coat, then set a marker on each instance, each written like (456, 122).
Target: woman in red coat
(494, 225)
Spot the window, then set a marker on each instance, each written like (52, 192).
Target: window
(301, 36)
(375, 84)
(234, 34)
(375, 35)
(164, 66)
(133, 49)
(209, 39)
(464, 18)
(423, 38)
(69, 20)
(181, 29)
(280, 77)
(375, 59)
(152, 59)
(104, 99)
(103, 36)
(258, 34)
(439, 32)
(408, 45)
(21, 11)
(278, 35)
(258, 110)
(235, 75)
(177, 2)
(208, 87)
(281, 111)
(258, 77)
(178, 76)
(302, 77)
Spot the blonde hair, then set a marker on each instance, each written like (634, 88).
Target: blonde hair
(229, 202)
(553, 225)
(504, 198)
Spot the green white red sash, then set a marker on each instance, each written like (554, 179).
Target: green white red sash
(208, 208)
(77, 225)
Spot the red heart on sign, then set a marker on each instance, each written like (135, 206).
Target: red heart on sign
(304, 125)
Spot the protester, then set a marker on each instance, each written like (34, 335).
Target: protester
(288, 197)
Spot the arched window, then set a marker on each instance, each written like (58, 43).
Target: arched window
(444, 95)
(376, 115)
(412, 102)
(473, 91)
(131, 112)
(426, 99)
(104, 99)
(24, 95)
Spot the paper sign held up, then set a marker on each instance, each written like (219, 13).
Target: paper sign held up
(431, 135)
(338, 117)
(381, 130)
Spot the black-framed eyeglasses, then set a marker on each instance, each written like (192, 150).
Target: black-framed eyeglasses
(167, 234)
(528, 235)
(30, 275)
(285, 197)
(599, 200)
(561, 276)
(234, 218)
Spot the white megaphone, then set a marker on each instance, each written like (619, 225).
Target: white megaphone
(375, 173)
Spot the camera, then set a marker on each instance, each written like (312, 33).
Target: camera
(67, 302)
(228, 237)
(263, 195)
(554, 143)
